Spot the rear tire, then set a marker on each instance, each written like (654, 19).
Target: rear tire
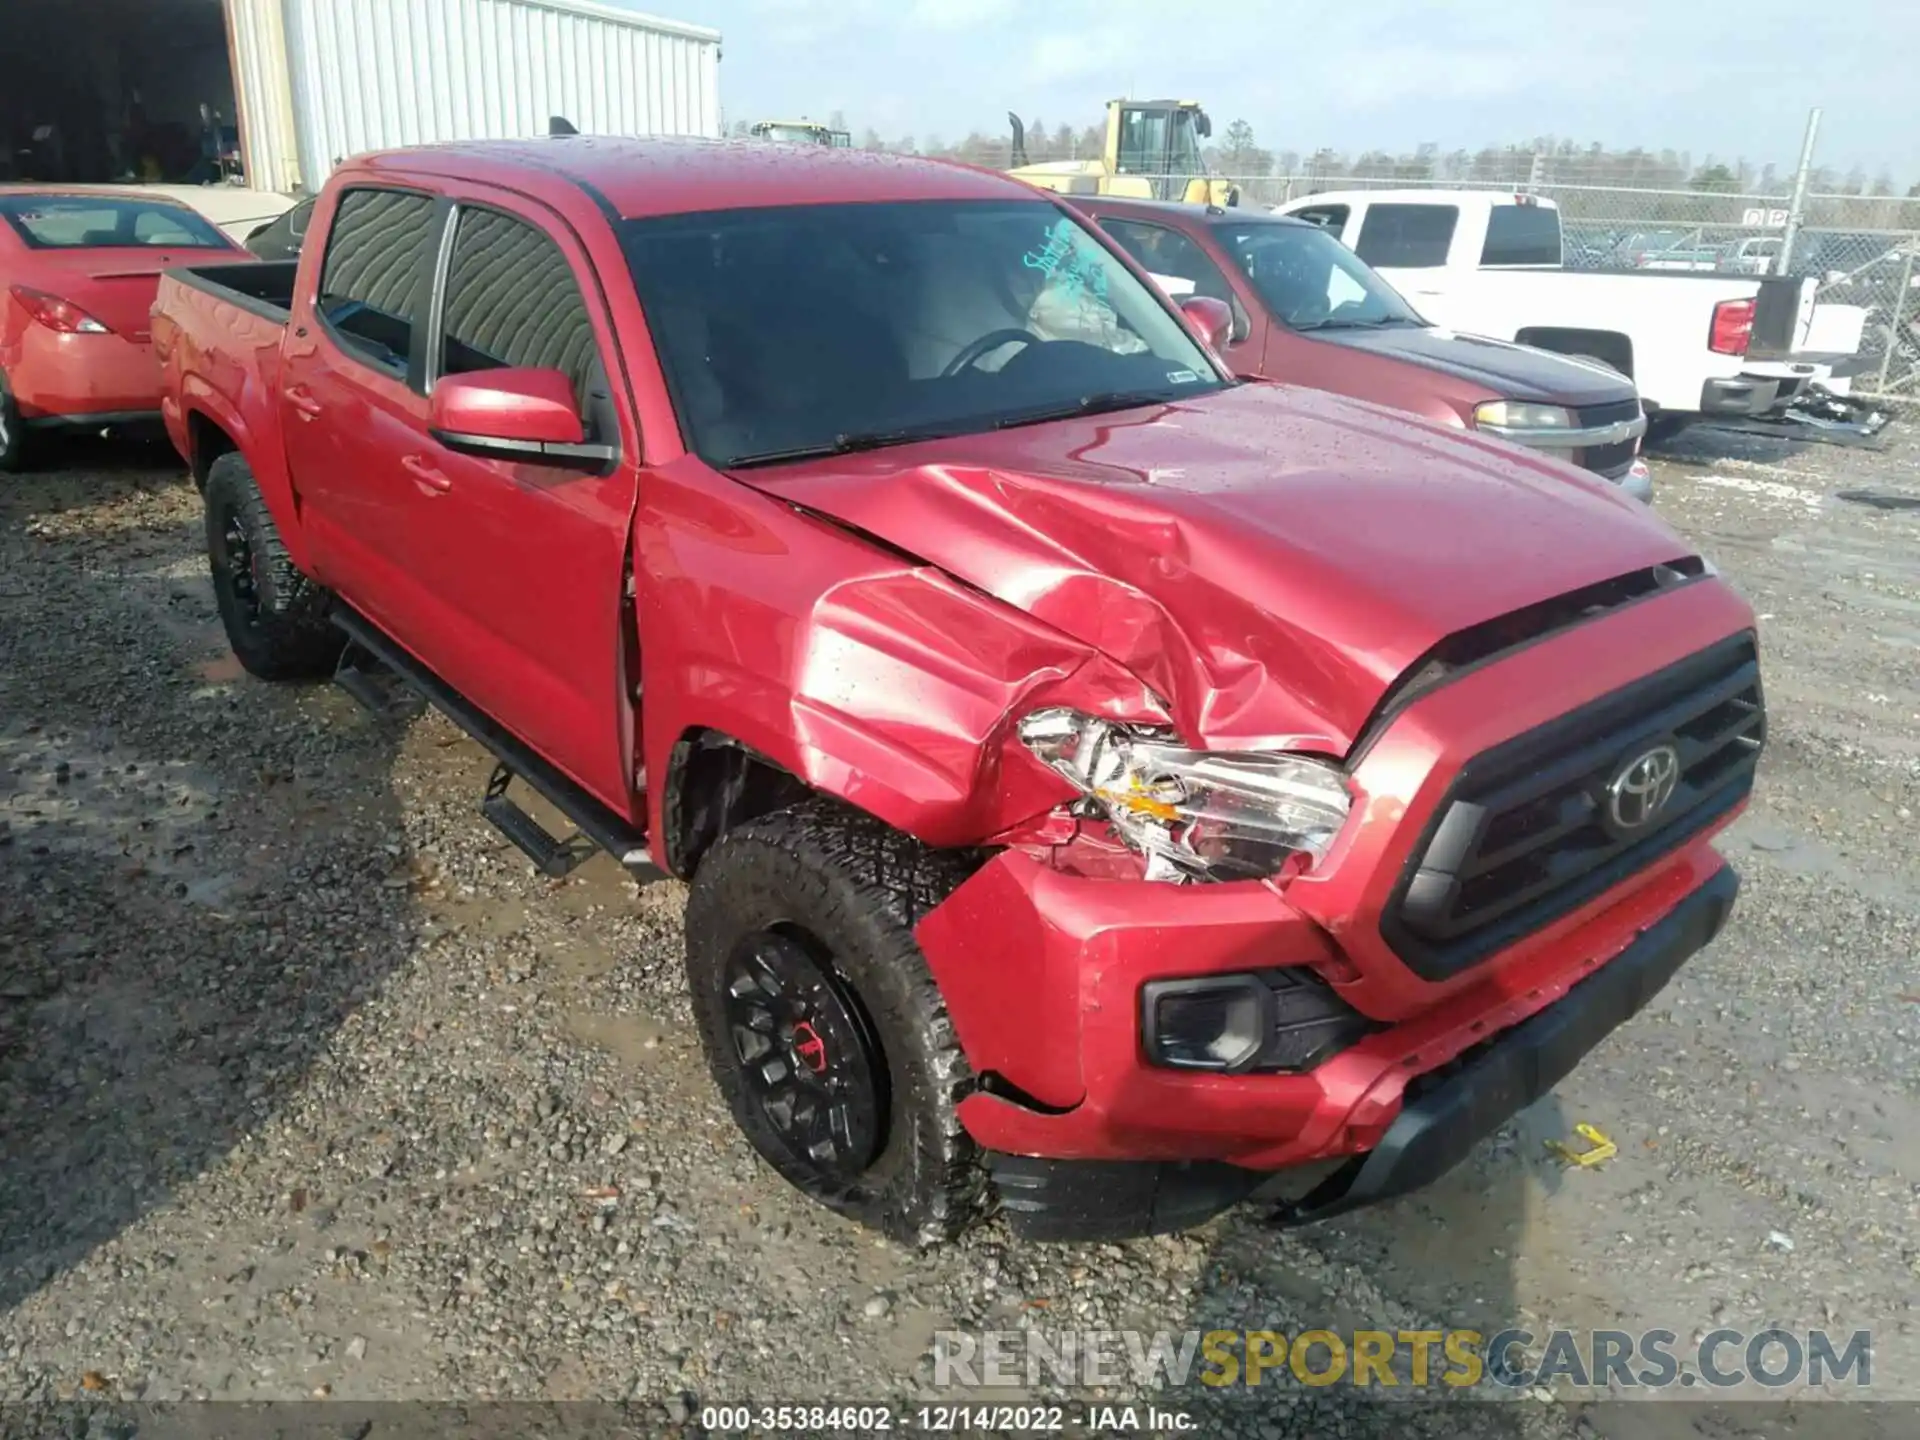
(275, 617)
(14, 446)
(823, 1028)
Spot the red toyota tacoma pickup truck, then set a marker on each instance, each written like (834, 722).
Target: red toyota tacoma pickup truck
(1105, 787)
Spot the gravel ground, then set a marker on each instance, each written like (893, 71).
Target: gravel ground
(309, 1087)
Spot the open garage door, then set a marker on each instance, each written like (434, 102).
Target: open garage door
(114, 90)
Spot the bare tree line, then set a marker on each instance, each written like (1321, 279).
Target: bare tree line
(1543, 160)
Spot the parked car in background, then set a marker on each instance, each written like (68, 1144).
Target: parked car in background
(1665, 250)
(1307, 310)
(1100, 781)
(78, 272)
(1695, 343)
(280, 238)
(1755, 255)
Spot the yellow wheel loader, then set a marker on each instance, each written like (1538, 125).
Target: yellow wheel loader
(1152, 153)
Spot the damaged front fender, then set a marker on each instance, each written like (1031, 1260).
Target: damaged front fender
(864, 674)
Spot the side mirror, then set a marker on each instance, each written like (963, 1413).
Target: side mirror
(524, 414)
(1212, 318)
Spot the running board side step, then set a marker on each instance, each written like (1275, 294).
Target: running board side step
(598, 827)
(367, 679)
(555, 859)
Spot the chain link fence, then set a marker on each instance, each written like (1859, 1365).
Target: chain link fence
(1863, 250)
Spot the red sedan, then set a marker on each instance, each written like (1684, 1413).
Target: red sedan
(78, 273)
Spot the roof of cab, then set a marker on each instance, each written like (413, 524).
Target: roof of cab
(642, 177)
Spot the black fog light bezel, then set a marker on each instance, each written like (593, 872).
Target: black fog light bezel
(1290, 1001)
(1226, 986)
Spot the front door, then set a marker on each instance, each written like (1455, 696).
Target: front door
(527, 565)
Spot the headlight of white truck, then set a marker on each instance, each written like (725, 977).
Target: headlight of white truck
(1499, 415)
(1193, 814)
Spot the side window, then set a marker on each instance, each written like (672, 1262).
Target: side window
(1407, 237)
(1331, 218)
(512, 301)
(159, 227)
(1522, 235)
(373, 282)
(1180, 265)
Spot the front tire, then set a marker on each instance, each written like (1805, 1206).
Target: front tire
(823, 1028)
(275, 617)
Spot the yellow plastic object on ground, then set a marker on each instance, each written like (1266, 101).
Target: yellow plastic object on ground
(1599, 1147)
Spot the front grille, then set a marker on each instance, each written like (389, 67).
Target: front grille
(1612, 413)
(1529, 831)
(1608, 460)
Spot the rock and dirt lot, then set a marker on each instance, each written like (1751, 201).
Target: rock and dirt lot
(309, 1086)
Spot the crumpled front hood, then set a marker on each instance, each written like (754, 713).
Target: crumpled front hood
(1268, 559)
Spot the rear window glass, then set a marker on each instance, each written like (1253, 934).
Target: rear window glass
(1406, 237)
(85, 222)
(1522, 235)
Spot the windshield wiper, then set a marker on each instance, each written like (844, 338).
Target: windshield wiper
(1376, 324)
(1101, 403)
(849, 442)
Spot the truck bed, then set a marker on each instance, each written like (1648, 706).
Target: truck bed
(261, 287)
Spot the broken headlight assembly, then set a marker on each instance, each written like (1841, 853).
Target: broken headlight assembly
(1194, 815)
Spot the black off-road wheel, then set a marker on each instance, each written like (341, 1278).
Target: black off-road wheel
(275, 617)
(13, 433)
(822, 1026)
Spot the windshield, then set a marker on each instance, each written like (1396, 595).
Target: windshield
(1310, 281)
(819, 328)
(85, 222)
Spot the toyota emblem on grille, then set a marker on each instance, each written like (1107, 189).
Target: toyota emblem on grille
(1641, 788)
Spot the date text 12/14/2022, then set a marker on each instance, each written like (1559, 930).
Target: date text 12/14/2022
(939, 1419)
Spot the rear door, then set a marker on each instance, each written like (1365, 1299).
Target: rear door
(354, 403)
(526, 563)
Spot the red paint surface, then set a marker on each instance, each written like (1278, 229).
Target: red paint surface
(1255, 567)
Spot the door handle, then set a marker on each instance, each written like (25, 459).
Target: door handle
(301, 399)
(430, 480)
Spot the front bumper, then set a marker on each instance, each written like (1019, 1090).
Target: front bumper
(1637, 482)
(1460, 1106)
(1448, 1111)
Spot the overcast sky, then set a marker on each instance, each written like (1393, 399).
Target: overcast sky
(1731, 78)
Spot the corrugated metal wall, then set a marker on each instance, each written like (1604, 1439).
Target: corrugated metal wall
(256, 41)
(370, 74)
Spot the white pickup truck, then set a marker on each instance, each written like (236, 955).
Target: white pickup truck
(1737, 348)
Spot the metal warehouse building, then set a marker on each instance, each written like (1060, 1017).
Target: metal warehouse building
(282, 90)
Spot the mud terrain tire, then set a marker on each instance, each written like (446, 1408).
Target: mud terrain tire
(824, 886)
(275, 617)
